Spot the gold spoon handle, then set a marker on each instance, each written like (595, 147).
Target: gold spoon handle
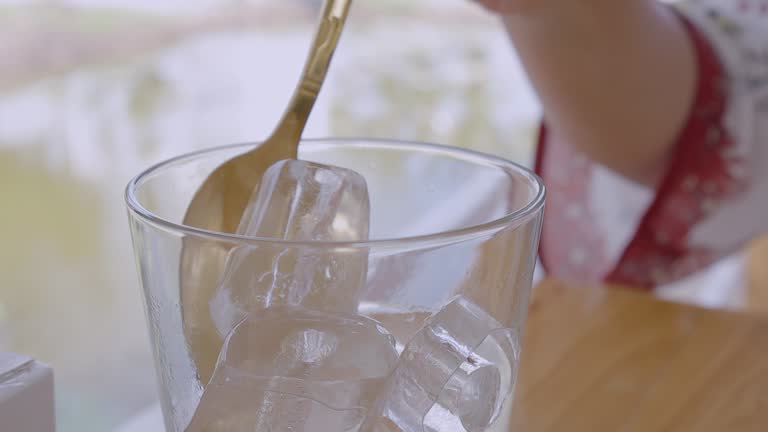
(332, 21)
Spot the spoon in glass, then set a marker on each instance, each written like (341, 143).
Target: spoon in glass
(219, 203)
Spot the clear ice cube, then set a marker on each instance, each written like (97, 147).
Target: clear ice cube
(455, 374)
(291, 369)
(298, 201)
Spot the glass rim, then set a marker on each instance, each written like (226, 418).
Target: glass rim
(532, 207)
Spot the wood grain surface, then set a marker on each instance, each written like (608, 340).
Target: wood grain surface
(597, 359)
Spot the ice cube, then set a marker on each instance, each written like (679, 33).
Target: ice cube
(458, 370)
(476, 394)
(303, 200)
(299, 201)
(291, 369)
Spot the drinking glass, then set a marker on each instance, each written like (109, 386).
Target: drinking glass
(445, 222)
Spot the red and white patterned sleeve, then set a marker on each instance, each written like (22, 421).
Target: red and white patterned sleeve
(714, 196)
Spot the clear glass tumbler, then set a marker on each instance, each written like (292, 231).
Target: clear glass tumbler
(445, 222)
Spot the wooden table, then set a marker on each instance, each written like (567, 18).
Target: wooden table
(613, 360)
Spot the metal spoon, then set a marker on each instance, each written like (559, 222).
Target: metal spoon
(220, 202)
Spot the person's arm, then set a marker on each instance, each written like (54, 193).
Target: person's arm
(616, 77)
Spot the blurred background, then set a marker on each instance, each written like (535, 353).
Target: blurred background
(94, 91)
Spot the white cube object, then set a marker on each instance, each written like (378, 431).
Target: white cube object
(26, 395)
